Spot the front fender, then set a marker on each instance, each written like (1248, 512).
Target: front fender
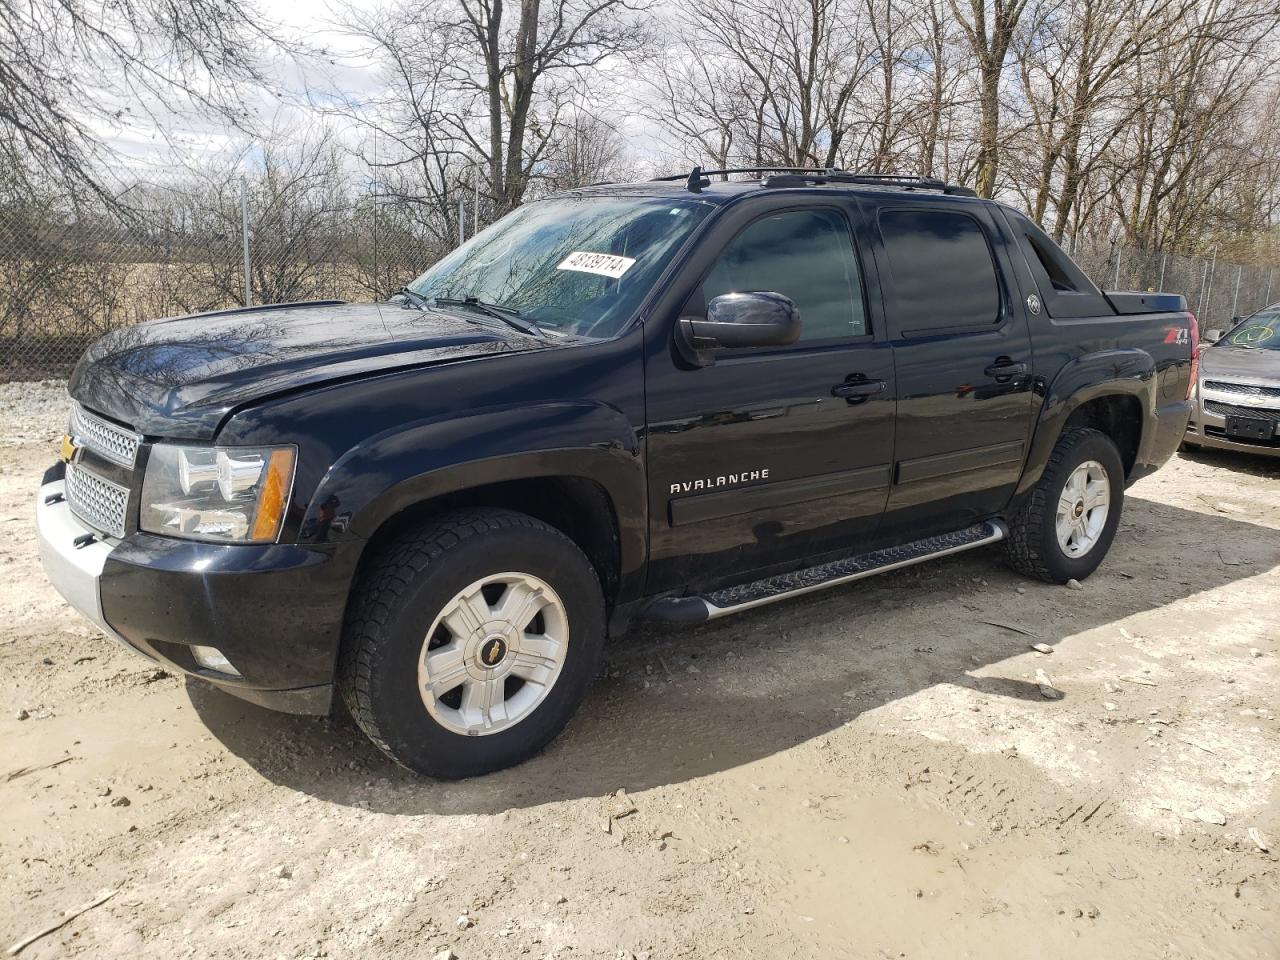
(422, 460)
(1127, 371)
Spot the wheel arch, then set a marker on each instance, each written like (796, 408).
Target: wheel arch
(575, 465)
(577, 506)
(1112, 391)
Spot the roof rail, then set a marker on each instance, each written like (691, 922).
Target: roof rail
(728, 170)
(905, 181)
(698, 178)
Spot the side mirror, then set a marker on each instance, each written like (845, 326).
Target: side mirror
(1212, 336)
(743, 320)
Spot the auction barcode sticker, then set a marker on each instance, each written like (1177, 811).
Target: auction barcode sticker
(605, 264)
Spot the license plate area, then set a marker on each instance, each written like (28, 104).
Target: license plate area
(1246, 428)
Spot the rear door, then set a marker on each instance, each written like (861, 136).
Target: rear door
(769, 457)
(963, 357)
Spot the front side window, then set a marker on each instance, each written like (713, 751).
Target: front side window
(577, 265)
(943, 272)
(806, 255)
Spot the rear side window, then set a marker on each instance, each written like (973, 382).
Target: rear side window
(1064, 287)
(806, 255)
(943, 272)
(1063, 275)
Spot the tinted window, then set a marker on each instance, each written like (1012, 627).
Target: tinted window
(1064, 275)
(806, 255)
(943, 274)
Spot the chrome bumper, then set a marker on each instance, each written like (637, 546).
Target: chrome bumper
(1215, 436)
(73, 570)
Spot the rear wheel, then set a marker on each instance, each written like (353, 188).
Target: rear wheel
(471, 641)
(1065, 526)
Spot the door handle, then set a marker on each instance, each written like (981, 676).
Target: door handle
(857, 389)
(1005, 369)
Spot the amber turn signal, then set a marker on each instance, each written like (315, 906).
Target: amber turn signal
(274, 497)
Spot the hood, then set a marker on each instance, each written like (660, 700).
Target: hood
(1221, 361)
(181, 377)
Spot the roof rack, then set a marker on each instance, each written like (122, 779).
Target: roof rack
(698, 178)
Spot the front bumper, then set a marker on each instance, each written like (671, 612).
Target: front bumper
(1208, 429)
(274, 611)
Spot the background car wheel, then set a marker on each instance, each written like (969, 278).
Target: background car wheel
(471, 641)
(1065, 526)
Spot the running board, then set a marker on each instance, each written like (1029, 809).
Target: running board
(721, 603)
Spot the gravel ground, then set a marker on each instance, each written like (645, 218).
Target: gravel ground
(870, 772)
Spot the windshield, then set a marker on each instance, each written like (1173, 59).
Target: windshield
(577, 266)
(1259, 332)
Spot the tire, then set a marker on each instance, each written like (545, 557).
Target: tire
(386, 661)
(1034, 547)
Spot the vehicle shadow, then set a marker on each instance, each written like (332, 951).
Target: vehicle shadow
(677, 704)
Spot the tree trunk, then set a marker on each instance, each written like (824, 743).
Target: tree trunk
(989, 125)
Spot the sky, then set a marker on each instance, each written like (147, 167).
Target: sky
(348, 70)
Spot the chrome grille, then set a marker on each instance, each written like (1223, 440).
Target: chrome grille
(1248, 413)
(1244, 389)
(115, 443)
(97, 501)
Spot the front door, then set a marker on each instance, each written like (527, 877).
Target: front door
(964, 363)
(769, 457)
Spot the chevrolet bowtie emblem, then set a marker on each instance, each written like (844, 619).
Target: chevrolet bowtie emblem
(68, 448)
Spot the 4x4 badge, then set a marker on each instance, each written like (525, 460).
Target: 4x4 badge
(1033, 304)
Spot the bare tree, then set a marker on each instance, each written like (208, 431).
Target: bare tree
(989, 26)
(700, 98)
(768, 84)
(296, 190)
(1194, 133)
(519, 72)
(938, 69)
(472, 81)
(585, 150)
(66, 65)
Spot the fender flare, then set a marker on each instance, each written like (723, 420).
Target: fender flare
(426, 459)
(1127, 372)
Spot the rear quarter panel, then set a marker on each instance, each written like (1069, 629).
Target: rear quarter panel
(1081, 358)
(1146, 356)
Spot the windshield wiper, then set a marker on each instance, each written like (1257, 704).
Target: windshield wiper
(508, 315)
(417, 299)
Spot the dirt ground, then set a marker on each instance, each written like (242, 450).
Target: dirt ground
(870, 772)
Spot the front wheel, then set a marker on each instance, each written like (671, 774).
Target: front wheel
(1065, 526)
(471, 641)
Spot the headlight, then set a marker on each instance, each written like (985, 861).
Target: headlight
(223, 494)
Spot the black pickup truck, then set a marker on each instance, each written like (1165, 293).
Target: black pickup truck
(672, 400)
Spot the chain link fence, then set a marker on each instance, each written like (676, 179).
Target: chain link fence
(180, 243)
(183, 241)
(1216, 290)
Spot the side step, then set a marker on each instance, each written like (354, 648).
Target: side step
(721, 603)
